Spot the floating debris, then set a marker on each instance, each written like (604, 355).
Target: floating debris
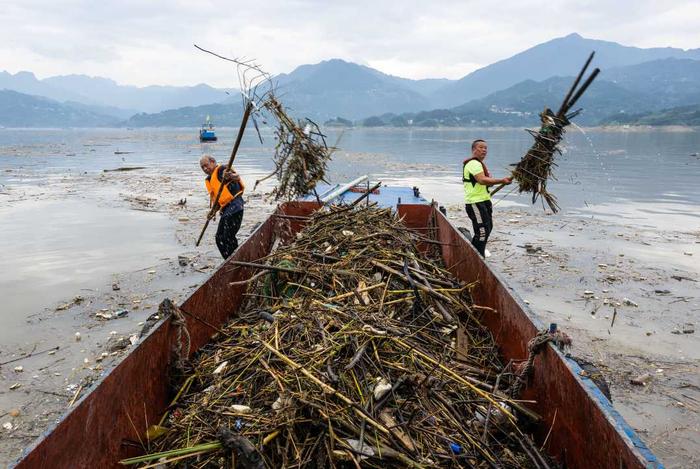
(115, 344)
(642, 380)
(628, 302)
(76, 301)
(123, 168)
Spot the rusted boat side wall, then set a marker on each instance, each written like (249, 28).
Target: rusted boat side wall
(582, 436)
(106, 425)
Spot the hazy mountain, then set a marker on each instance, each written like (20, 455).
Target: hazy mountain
(338, 88)
(425, 87)
(27, 83)
(107, 92)
(559, 57)
(117, 100)
(23, 110)
(320, 92)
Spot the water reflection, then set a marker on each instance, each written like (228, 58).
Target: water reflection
(51, 249)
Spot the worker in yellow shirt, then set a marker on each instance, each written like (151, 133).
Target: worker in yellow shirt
(477, 180)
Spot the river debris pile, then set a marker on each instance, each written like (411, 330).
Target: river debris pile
(353, 349)
(535, 168)
(301, 155)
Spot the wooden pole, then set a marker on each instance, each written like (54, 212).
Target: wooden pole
(583, 88)
(564, 107)
(215, 205)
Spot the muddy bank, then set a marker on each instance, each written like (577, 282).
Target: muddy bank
(630, 299)
(89, 321)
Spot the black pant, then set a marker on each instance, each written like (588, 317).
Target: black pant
(229, 224)
(481, 214)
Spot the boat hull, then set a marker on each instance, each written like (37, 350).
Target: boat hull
(108, 424)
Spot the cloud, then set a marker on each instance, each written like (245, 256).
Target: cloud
(137, 42)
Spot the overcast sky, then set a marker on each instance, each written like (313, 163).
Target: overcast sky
(150, 42)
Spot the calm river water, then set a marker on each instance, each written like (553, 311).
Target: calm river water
(643, 175)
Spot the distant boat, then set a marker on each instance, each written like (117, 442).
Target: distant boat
(207, 133)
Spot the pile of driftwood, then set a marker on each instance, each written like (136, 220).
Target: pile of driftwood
(354, 348)
(301, 153)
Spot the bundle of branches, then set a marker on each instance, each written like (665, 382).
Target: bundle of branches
(353, 349)
(535, 169)
(301, 154)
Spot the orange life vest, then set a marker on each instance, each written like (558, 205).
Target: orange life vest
(213, 184)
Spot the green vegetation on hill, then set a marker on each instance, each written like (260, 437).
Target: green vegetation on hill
(683, 115)
(520, 105)
(226, 114)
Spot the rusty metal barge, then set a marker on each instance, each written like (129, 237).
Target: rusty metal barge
(585, 431)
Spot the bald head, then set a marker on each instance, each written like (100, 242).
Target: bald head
(208, 164)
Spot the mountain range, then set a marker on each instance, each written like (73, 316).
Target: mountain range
(558, 57)
(508, 92)
(118, 100)
(619, 91)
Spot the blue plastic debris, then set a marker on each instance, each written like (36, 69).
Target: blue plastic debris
(456, 449)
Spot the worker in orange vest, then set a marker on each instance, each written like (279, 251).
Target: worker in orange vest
(230, 202)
